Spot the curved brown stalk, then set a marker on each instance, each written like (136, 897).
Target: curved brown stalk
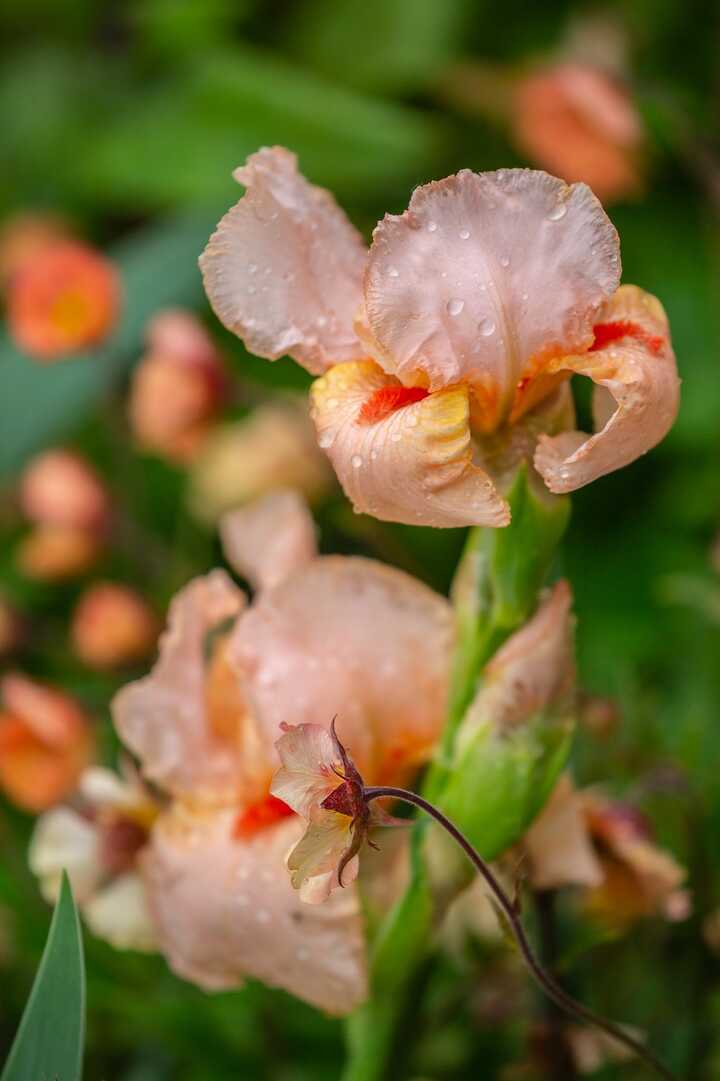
(543, 978)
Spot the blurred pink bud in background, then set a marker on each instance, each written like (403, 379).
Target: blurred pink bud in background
(45, 742)
(580, 124)
(177, 388)
(54, 553)
(112, 626)
(61, 488)
(65, 300)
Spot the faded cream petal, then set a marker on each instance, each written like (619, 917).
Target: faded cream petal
(639, 371)
(485, 275)
(558, 843)
(314, 861)
(163, 718)
(532, 671)
(415, 464)
(357, 639)
(118, 913)
(65, 841)
(307, 775)
(283, 270)
(270, 539)
(225, 910)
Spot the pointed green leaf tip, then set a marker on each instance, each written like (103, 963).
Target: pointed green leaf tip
(49, 1042)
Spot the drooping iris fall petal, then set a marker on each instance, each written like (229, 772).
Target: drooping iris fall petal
(284, 268)
(558, 843)
(225, 910)
(400, 460)
(633, 360)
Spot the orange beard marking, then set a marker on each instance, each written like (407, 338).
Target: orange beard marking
(606, 333)
(257, 816)
(386, 400)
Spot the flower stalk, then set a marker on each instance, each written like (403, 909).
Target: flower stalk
(509, 910)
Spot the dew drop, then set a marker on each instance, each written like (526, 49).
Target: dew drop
(455, 305)
(486, 327)
(321, 321)
(412, 421)
(252, 268)
(325, 441)
(396, 437)
(262, 915)
(431, 226)
(373, 454)
(393, 272)
(356, 461)
(559, 211)
(251, 290)
(505, 262)
(333, 403)
(464, 234)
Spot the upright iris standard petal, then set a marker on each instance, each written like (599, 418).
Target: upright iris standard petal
(163, 718)
(351, 637)
(225, 910)
(403, 458)
(486, 275)
(270, 539)
(284, 268)
(633, 360)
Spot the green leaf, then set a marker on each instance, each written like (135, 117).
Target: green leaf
(49, 1043)
(40, 402)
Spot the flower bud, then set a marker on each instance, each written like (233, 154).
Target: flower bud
(65, 300)
(514, 738)
(179, 334)
(61, 488)
(112, 626)
(273, 448)
(577, 122)
(54, 553)
(177, 388)
(45, 742)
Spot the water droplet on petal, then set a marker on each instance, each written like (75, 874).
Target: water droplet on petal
(393, 272)
(396, 437)
(505, 262)
(431, 226)
(321, 321)
(356, 461)
(251, 290)
(486, 327)
(559, 211)
(464, 234)
(262, 915)
(455, 305)
(326, 440)
(252, 268)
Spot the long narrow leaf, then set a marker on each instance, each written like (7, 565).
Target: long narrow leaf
(49, 1042)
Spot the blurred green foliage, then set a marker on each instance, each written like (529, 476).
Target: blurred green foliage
(129, 118)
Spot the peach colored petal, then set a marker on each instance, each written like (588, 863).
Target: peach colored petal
(638, 369)
(355, 638)
(309, 760)
(163, 718)
(533, 670)
(413, 465)
(484, 274)
(113, 625)
(53, 716)
(225, 910)
(314, 861)
(284, 268)
(270, 539)
(559, 843)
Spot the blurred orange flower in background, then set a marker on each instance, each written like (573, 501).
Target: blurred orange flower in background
(112, 626)
(45, 742)
(581, 124)
(64, 299)
(25, 236)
